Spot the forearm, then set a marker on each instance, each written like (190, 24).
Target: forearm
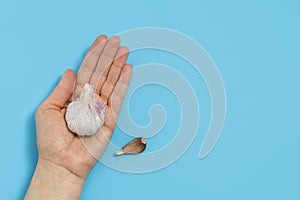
(51, 181)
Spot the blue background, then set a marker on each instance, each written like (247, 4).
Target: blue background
(256, 47)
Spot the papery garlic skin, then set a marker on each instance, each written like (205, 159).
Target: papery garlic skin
(86, 114)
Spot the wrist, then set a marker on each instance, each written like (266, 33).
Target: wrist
(51, 181)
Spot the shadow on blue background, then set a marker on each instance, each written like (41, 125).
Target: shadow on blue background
(31, 153)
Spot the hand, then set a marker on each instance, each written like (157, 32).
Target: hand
(68, 157)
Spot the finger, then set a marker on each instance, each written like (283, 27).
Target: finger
(88, 64)
(104, 63)
(97, 143)
(98, 41)
(116, 99)
(63, 90)
(114, 73)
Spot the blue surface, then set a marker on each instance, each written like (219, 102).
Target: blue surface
(256, 47)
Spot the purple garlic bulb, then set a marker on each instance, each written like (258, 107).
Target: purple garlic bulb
(86, 114)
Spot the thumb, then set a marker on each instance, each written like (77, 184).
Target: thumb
(63, 91)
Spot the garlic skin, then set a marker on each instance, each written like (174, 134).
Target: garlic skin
(135, 146)
(86, 114)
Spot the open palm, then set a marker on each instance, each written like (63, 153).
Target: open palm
(104, 66)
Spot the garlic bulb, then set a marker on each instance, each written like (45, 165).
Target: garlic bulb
(86, 114)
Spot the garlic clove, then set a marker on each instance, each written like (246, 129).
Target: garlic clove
(135, 146)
